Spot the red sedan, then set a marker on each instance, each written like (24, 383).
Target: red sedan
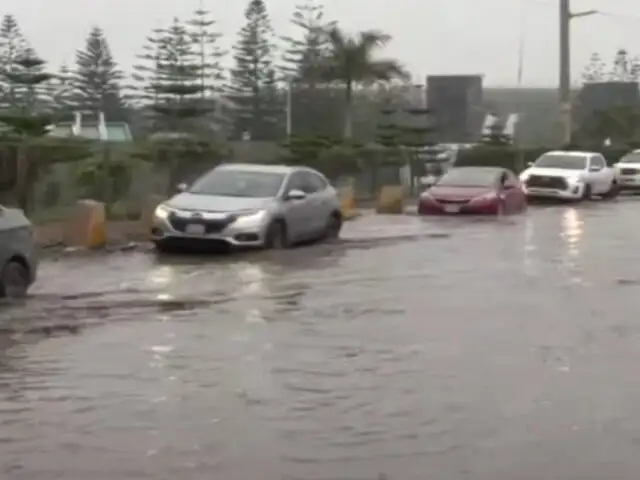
(474, 190)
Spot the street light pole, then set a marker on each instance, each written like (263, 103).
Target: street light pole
(564, 86)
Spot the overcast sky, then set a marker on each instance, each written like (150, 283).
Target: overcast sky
(430, 36)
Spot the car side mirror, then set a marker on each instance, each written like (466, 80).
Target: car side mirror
(182, 187)
(530, 164)
(296, 194)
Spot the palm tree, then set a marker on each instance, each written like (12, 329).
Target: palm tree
(351, 61)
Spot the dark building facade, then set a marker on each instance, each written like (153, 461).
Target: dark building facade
(456, 102)
(600, 97)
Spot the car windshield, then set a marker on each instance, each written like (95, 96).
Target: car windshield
(565, 162)
(469, 177)
(631, 158)
(228, 182)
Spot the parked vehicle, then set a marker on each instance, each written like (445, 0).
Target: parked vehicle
(18, 253)
(572, 176)
(628, 171)
(474, 190)
(246, 205)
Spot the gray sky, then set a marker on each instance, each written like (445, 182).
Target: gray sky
(430, 36)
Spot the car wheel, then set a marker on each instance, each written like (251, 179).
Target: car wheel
(334, 225)
(586, 194)
(277, 238)
(14, 280)
(162, 247)
(613, 192)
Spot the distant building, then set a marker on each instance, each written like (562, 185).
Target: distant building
(93, 129)
(456, 102)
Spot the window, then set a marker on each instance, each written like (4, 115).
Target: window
(562, 161)
(633, 157)
(469, 177)
(228, 182)
(598, 161)
(308, 182)
(316, 181)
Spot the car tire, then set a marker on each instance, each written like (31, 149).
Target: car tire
(14, 280)
(162, 247)
(586, 194)
(334, 225)
(613, 192)
(277, 237)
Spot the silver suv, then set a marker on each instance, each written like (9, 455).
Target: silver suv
(18, 258)
(247, 205)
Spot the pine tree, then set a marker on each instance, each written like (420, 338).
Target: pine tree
(178, 86)
(252, 89)
(208, 51)
(210, 55)
(27, 119)
(146, 73)
(96, 78)
(305, 49)
(62, 90)
(12, 46)
(169, 80)
(305, 52)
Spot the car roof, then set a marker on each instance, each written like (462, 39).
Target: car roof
(473, 167)
(257, 167)
(571, 153)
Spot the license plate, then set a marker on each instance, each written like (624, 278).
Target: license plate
(452, 208)
(195, 229)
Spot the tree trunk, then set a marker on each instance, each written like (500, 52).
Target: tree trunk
(22, 178)
(348, 110)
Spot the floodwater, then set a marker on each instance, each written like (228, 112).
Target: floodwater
(414, 349)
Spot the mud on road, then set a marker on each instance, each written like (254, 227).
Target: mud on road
(413, 349)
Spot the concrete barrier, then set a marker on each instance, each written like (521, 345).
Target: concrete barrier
(87, 225)
(390, 200)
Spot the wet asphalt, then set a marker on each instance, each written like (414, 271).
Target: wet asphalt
(442, 349)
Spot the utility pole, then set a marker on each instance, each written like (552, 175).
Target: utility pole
(564, 86)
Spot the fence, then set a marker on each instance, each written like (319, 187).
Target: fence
(125, 180)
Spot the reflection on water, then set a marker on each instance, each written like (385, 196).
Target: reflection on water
(368, 359)
(529, 247)
(572, 233)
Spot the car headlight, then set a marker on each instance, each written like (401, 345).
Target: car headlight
(487, 197)
(574, 180)
(251, 218)
(162, 212)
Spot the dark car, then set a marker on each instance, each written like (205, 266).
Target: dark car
(18, 259)
(474, 190)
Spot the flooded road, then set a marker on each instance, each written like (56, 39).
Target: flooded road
(454, 349)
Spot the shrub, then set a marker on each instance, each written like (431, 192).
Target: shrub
(517, 159)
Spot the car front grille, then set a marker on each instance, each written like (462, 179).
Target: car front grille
(629, 171)
(542, 181)
(210, 226)
(450, 201)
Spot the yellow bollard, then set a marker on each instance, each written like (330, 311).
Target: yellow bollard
(390, 200)
(87, 226)
(348, 203)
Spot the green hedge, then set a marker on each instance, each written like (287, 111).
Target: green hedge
(517, 159)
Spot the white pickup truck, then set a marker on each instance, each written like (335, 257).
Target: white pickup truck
(572, 176)
(628, 171)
